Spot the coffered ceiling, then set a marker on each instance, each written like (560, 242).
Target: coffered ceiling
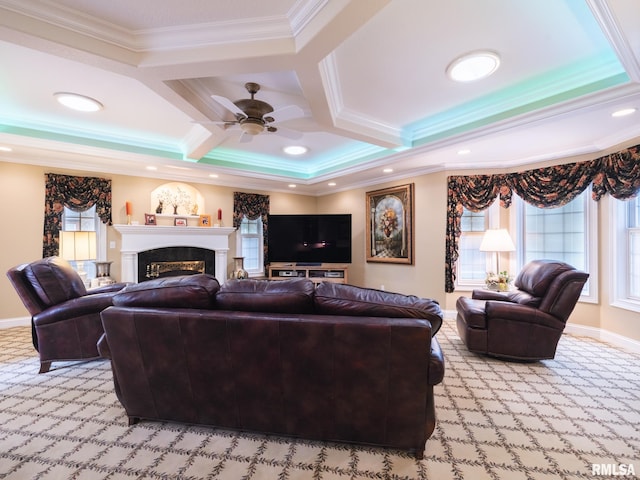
(368, 77)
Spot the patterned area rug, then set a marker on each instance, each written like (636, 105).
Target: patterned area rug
(574, 417)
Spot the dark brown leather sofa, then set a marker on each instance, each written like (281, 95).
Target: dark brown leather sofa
(335, 363)
(526, 323)
(65, 317)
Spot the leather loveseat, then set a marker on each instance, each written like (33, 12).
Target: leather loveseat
(335, 363)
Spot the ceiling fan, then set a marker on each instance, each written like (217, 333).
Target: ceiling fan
(255, 116)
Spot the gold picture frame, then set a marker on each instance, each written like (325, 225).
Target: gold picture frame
(390, 225)
(204, 220)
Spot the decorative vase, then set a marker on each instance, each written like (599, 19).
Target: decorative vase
(239, 272)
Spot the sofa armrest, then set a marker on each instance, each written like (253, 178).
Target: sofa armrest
(436, 363)
(482, 294)
(76, 307)
(521, 314)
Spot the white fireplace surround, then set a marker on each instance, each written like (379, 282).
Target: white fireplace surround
(139, 238)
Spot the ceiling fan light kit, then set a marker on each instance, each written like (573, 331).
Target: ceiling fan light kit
(252, 126)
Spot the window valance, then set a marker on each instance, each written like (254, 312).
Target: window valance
(76, 193)
(617, 174)
(252, 206)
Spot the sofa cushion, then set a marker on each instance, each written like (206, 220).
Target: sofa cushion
(341, 299)
(268, 296)
(184, 291)
(54, 280)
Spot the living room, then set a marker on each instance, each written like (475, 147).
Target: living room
(169, 132)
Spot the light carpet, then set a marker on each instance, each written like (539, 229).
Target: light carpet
(573, 417)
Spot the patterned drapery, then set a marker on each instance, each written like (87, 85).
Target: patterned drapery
(617, 174)
(76, 193)
(252, 205)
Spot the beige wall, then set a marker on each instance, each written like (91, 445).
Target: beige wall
(21, 211)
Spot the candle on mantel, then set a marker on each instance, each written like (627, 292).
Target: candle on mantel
(219, 214)
(128, 208)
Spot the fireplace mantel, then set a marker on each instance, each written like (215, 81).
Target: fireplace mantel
(138, 238)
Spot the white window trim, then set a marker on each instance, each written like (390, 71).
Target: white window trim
(591, 246)
(255, 272)
(493, 213)
(618, 253)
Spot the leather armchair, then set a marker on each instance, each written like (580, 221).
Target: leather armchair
(526, 323)
(65, 317)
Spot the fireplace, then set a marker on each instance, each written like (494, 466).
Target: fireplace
(172, 261)
(142, 238)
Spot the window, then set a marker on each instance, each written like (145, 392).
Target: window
(472, 263)
(85, 221)
(625, 240)
(567, 233)
(250, 242)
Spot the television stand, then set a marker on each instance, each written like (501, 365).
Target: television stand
(317, 272)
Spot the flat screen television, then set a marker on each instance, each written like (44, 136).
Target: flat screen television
(309, 239)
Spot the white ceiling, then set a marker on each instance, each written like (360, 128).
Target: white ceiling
(368, 74)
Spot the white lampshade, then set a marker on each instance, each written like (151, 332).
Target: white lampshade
(497, 240)
(78, 246)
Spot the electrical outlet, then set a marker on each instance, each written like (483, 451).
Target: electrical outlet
(112, 244)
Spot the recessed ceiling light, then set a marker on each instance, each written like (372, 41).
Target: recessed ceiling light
(332, 184)
(213, 175)
(464, 151)
(77, 102)
(624, 112)
(151, 167)
(292, 185)
(6, 149)
(295, 150)
(388, 170)
(473, 66)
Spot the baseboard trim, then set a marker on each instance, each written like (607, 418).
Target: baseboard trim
(604, 336)
(15, 322)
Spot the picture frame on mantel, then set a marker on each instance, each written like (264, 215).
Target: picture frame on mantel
(180, 222)
(149, 219)
(204, 220)
(390, 220)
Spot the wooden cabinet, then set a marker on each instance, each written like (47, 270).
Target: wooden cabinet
(325, 272)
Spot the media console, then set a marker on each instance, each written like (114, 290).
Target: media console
(323, 272)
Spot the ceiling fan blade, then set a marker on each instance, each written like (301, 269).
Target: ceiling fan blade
(288, 133)
(229, 105)
(286, 113)
(245, 137)
(213, 122)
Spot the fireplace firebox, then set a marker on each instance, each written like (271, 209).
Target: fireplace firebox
(172, 261)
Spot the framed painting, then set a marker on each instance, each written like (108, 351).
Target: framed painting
(390, 225)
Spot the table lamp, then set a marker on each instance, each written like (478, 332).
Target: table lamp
(78, 247)
(496, 241)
